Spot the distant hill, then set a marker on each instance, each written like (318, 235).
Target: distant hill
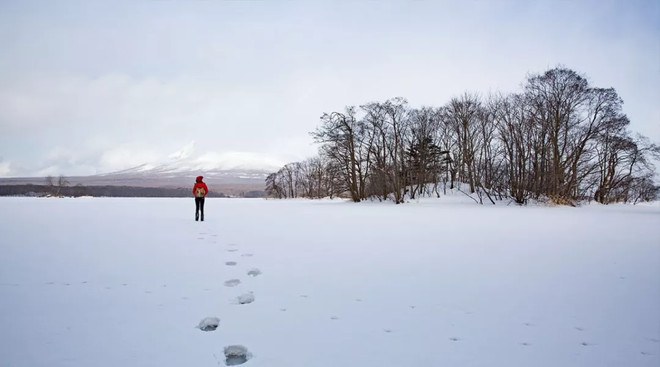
(139, 180)
(231, 174)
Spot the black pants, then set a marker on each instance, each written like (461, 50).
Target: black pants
(199, 206)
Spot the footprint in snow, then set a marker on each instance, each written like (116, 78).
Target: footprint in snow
(254, 272)
(232, 282)
(245, 299)
(232, 250)
(230, 263)
(454, 339)
(247, 255)
(236, 354)
(334, 318)
(208, 324)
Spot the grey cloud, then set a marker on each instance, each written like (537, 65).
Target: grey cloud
(117, 83)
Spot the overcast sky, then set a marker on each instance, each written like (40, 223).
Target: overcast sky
(94, 87)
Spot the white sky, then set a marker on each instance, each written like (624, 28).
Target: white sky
(92, 87)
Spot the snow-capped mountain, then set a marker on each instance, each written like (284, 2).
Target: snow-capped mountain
(187, 160)
(230, 173)
(184, 162)
(233, 168)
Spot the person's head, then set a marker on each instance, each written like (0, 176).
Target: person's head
(200, 178)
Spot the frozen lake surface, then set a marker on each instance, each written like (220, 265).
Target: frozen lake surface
(436, 282)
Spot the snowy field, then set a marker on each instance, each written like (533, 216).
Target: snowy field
(439, 282)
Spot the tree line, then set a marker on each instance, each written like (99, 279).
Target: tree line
(61, 187)
(98, 191)
(558, 138)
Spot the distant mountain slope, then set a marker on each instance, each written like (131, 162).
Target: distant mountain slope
(229, 173)
(227, 182)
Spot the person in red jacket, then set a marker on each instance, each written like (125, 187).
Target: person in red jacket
(199, 190)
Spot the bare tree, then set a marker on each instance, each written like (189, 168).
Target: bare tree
(624, 168)
(378, 138)
(561, 95)
(463, 113)
(342, 136)
(273, 188)
(50, 185)
(62, 183)
(396, 119)
(515, 133)
(56, 186)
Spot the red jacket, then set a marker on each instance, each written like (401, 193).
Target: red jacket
(199, 184)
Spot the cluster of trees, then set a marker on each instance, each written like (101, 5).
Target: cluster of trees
(559, 138)
(57, 186)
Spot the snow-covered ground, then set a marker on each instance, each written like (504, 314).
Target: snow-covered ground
(437, 282)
